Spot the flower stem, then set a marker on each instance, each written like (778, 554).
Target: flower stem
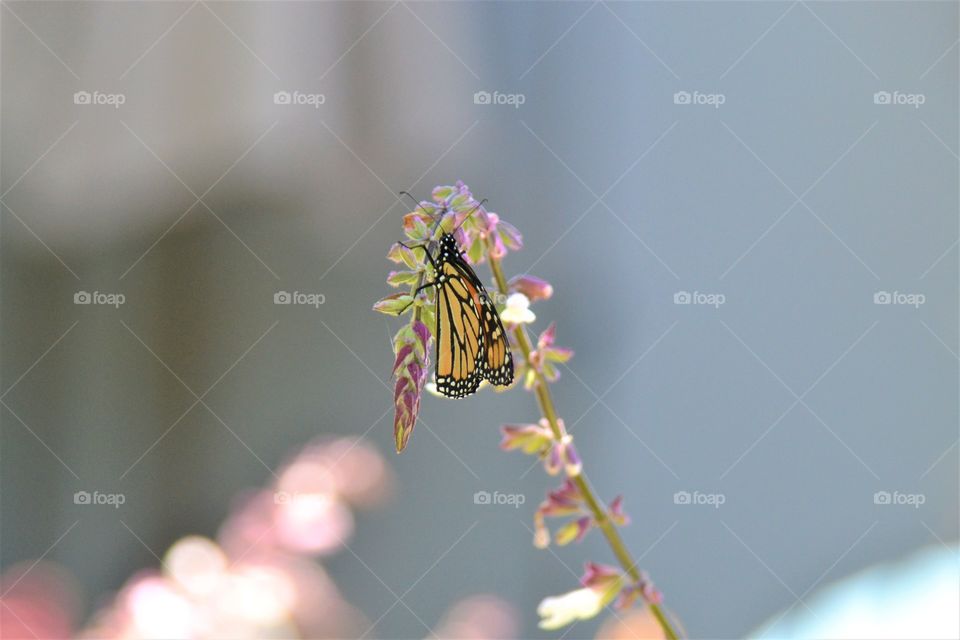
(599, 513)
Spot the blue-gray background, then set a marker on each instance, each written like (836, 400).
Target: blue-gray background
(797, 199)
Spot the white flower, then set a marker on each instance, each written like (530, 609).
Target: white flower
(559, 611)
(518, 310)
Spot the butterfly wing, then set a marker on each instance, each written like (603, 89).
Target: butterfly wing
(460, 332)
(498, 361)
(495, 361)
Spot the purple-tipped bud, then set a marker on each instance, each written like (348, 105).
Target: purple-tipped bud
(571, 459)
(567, 491)
(643, 589)
(416, 225)
(547, 337)
(529, 438)
(553, 461)
(422, 332)
(532, 287)
(410, 371)
(399, 253)
(617, 514)
(402, 356)
(599, 575)
(564, 501)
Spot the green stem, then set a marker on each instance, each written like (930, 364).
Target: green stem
(599, 513)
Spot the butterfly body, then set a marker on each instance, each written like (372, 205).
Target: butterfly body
(471, 341)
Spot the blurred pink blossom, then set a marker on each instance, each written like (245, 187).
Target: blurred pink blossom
(480, 617)
(259, 578)
(40, 600)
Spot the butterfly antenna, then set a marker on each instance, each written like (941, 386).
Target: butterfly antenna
(472, 211)
(416, 203)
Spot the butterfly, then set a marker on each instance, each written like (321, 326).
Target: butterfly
(471, 341)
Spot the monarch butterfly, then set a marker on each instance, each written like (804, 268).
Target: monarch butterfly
(471, 341)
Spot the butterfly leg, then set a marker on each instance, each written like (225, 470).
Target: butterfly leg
(425, 251)
(415, 293)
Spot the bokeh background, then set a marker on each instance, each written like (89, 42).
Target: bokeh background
(797, 199)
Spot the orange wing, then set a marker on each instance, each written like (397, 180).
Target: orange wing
(460, 334)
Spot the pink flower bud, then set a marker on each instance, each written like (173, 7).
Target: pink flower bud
(422, 332)
(553, 461)
(529, 438)
(402, 355)
(410, 372)
(641, 589)
(563, 501)
(547, 337)
(498, 250)
(601, 575)
(532, 287)
(571, 459)
(617, 514)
